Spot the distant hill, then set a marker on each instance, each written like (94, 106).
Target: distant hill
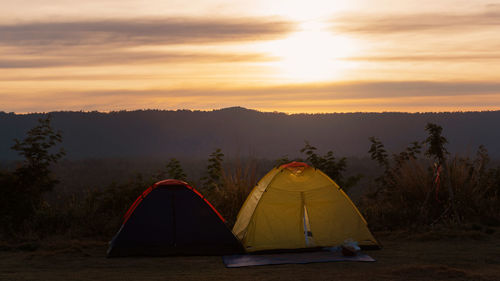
(243, 132)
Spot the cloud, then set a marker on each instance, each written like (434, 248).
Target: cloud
(109, 42)
(119, 57)
(430, 57)
(421, 22)
(327, 97)
(139, 32)
(69, 76)
(314, 91)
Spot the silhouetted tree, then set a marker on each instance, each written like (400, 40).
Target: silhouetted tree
(213, 179)
(378, 153)
(437, 150)
(436, 143)
(174, 170)
(24, 188)
(330, 165)
(281, 161)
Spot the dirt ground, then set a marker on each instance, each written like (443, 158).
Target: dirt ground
(421, 257)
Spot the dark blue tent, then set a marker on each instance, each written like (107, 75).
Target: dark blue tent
(172, 218)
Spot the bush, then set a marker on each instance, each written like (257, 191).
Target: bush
(237, 182)
(97, 213)
(418, 192)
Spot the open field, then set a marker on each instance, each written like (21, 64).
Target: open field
(467, 256)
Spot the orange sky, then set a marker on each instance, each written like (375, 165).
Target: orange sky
(291, 56)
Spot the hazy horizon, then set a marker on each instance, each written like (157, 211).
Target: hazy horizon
(245, 108)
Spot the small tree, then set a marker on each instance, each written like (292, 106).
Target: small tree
(312, 157)
(378, 153)
(213, 179)
(437, 150)
(174, 170)
(33, 177)
(281, 161)
(330, 165)
(436, 143)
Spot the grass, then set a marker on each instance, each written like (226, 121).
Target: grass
(407, 196)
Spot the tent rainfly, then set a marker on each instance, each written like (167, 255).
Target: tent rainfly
(297, 206)
(172, 218)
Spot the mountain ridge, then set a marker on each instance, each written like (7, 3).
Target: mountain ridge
(242, 131)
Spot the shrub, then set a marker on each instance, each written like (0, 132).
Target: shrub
(97, 213)
(418, 192)
(213, 179)
(238, 180)
(327, 163)
(174, 170)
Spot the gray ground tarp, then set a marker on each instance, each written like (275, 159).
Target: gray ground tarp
(284, 258)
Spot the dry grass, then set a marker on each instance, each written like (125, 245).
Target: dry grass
(409, 197)
(237, 182)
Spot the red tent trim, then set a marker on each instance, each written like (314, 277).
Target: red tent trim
(294, 164)
(162, 183)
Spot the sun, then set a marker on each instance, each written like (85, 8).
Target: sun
(313, 53)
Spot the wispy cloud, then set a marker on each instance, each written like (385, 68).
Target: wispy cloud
(319, 91)
(417, 22)
(109, 42)
(387, 89)
(430, 57)
(119, 57)
(139, 32)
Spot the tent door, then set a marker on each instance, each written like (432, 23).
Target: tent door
(307, 227)
(174, 227)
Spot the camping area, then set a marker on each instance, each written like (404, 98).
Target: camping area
(249, 140)
(409, 212)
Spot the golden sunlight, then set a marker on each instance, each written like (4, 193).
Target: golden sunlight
(313, 53)
(300, 10)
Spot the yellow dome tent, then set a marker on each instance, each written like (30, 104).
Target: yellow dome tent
(298, 206)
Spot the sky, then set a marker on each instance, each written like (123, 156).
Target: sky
(289, 56)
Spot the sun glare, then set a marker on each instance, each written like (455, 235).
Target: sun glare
(313, 53)
(301, 10)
